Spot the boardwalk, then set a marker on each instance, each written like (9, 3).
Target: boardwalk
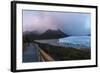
(34, 53)
(31, 54)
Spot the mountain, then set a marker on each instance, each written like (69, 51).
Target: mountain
(49, 34)
(53, 34)
(30, 36)
(32, 32)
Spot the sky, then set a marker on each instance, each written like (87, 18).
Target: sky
(71, 23)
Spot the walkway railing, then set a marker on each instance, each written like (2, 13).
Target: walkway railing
(43, 55)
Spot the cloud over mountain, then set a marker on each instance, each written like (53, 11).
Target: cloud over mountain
(71, 23)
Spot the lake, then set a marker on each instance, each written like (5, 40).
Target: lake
(72, 41)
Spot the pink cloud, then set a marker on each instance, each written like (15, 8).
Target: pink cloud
(39, 23)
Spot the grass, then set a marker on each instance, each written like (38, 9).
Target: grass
(62, 53)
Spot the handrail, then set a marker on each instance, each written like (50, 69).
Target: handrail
(45, 56)
(40, 53)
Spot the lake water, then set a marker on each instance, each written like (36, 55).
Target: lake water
(77, 41)
(72, 41)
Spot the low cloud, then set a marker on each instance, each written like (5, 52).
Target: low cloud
(40, 23)
(69, 22)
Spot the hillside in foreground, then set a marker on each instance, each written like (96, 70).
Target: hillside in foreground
(60, 53)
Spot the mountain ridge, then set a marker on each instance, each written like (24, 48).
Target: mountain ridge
(49, 34)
